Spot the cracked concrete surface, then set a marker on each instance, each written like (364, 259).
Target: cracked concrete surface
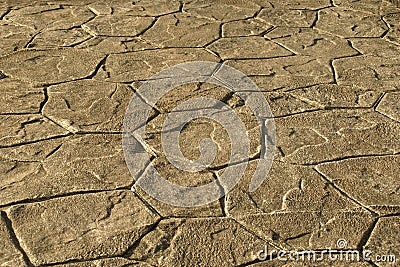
(329, 70)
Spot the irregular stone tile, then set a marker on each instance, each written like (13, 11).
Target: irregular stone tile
(17, 129)
(199, 242)
(282, 32)
(180, 94)
(393, 34)
(386, 210)
(82, 163)
(36, 151)
(392, 19)
(292, 139)
(332, 95)
(311, 42)
(284, 104)
(384, 240)
(50, 17)
(13, 37)
(178, 31)
(286, 188)
(190, 138)
(212, 209)
(140, 65)
(301, 4)
(370, 180)
(372, 6)
(222, 10)
(103, 45)
(81, 226)
(50, 66)
(309, 230)
(143, 7)
(285, 72)
(157, 244)
(15, 178)
(3, 9)
(59, 38)
(389, 106)
(288, 17)
(387, 7)
(112, 262)
(101, 8)
(88, 105)
(350, 23)
(245, 28)
(9, 254)
(199, 129)
(351, 133)
(243, 47)
(376, 47)
(19, 97)
(93, 159)
(109, 25)
(182, 178)
(368, 71)
(26, 8)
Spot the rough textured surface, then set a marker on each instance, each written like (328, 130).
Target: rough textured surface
(72, 165)
(9, 253)
(329, 70)
(190, 242)
(88, 106)
(383, 237)
(19, 129)
(103, 224)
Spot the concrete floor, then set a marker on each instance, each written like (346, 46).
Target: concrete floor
(329, 70)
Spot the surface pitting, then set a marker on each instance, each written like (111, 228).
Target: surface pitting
(329, 69)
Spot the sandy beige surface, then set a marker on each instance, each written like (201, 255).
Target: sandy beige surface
(329, 69)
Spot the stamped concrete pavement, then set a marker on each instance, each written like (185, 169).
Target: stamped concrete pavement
(329, 69)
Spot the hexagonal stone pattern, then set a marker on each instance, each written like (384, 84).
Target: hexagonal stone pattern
(328, 69)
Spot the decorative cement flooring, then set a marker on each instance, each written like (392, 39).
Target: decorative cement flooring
(329, 69)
